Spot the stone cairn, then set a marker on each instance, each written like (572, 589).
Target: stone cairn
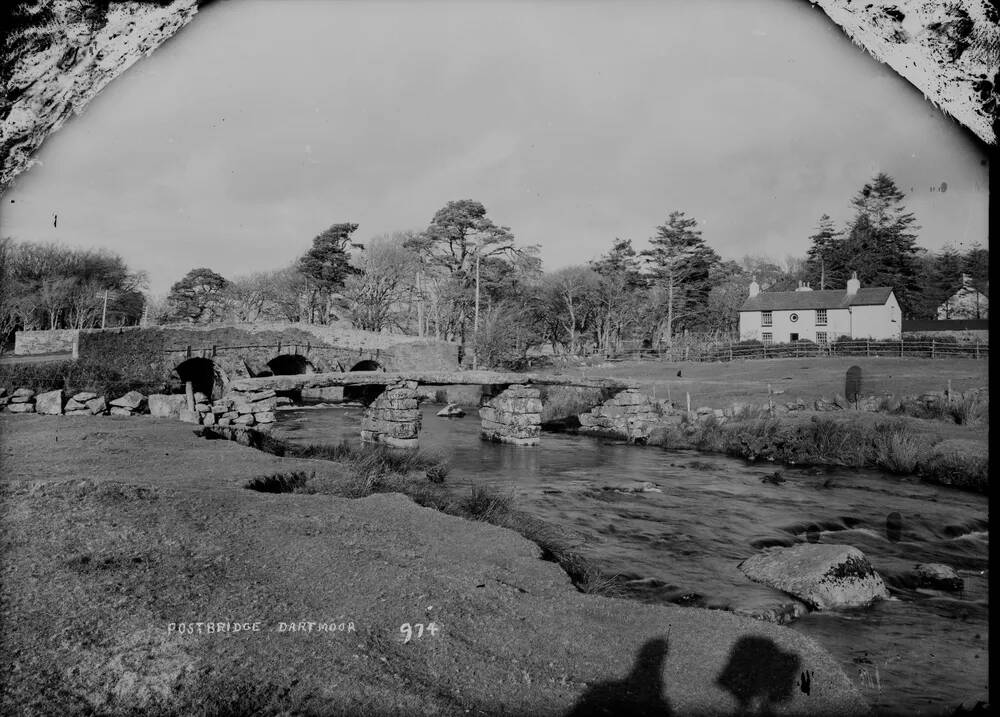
(629, 415)
(394, 417)
(239, 408)
(514, 416)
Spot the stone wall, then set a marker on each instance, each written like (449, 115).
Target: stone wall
(47, 342)
(514, 416)
(394, 417)
(629, 415)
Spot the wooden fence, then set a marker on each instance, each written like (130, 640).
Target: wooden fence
(729, 351)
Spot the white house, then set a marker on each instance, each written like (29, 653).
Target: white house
(966, 303)
(820, 316)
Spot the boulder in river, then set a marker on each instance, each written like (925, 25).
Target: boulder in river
(823, 576)
(452, 410)
(938, 577)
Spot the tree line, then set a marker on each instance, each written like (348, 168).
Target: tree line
(47, 286)
(464, 278)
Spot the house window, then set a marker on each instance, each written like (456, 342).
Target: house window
(793, 317)
(767, 337)
(821, 317)
(765, 318)
(821, 336)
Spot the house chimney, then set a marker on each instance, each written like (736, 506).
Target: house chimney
(754, 287)
(804, 287)
(853, 284)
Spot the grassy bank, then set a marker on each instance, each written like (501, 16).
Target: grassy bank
(382, 469)
(894, 445)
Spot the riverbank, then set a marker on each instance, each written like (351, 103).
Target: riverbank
(116, 529)
(931, 450)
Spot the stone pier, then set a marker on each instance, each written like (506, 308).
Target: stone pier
(394, 417)
(629, 415)
(514, 416)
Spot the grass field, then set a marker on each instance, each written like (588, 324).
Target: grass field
(718, 385)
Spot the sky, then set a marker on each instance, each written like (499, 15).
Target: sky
(262, 123)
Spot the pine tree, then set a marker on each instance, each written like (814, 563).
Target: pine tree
(823, 260)
(881, 246)
(681, 265)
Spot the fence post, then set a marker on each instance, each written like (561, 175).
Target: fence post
(188, 352)
(900, 347)
(689, 402)
(730, 351)
(977, 348)
(868, 347)
(932, 348)
(770, 400)
(213, 350)
(686, 349)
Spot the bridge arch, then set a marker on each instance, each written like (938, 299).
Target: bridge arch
(367, 393)
(290, 365)
(368, 365)
(205, 376)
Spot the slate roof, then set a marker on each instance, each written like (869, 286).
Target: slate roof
(827, 299)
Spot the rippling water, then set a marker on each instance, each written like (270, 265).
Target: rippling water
(922, 652)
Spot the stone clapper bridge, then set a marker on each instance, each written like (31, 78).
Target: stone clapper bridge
(511, 406)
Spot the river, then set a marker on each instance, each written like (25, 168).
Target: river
(921, 652)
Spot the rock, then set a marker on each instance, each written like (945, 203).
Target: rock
(83, 396)
(244, 419)
(200, 397)
(21, 399)
(823, 576)
(202, 407)
(131, 400)
(97, 406)
(74, 405)
(78, 412)
(452, 410)
(49, 403)
(284, 401)
(187, 415)
(208, 419)
(21, 408)
(260, 395)
(164, 405)
(938, 576)
(264, 417)
(224, 421)
(120, 411)
(22, 394)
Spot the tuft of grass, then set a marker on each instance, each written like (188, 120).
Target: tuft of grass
(292, 482)
(897, 449)
(971, 409)
(486, 504)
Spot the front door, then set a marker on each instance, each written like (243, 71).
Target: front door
(793, 337)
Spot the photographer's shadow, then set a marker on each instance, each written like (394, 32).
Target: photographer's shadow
(639, 693)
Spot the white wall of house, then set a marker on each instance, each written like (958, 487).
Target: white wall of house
(859, 322)
(877, 322)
